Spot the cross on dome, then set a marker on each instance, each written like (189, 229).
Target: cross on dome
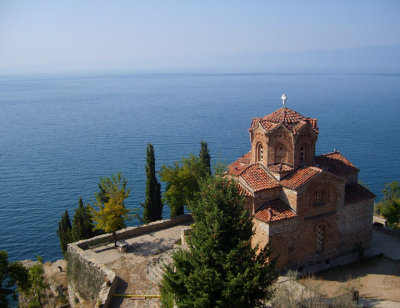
(284, 98)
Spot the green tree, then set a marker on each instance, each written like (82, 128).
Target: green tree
(152, 205)
(64, 231)
(220, 268)
(204, 156)
(110, 216)
(38, 286)
(11, 275)
(82, 225)
(182, 180)
(389, 207)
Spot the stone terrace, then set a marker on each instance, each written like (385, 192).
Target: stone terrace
(140, 268)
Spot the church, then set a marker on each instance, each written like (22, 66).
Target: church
(310, 209)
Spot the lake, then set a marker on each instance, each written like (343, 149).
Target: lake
(59, 134)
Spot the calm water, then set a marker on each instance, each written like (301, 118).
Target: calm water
(59, 134)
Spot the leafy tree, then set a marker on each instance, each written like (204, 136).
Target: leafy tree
(38, 287)
(182, 180)
(220, 268)
(64, 231)
(204, 156)
(102, 195)
(82, 225)
(152, 205)
(389, 207)
(110, 216)
(11, 275)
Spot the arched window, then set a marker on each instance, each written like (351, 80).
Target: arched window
(320, 238)
(260, 152)
(319, 198)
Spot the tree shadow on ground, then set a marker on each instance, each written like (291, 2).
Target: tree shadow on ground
(377, 265)
(149, 248)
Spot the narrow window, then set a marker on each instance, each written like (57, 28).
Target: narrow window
(320, 239)
(319, 198)
(260, 152)
(302, 154)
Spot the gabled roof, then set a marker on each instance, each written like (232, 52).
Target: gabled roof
(286, 117)
(274, 210)
(336, 163)
(243, 191)
(356, 192)
(300, 177)
(239, 165)
(257, 178)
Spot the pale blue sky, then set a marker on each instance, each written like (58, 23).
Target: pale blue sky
(72, 35)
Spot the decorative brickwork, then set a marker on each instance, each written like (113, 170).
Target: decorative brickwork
(309, 208)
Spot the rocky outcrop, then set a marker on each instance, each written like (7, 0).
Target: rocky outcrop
(56, 278)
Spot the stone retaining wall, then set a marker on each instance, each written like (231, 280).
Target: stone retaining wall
(88, 280)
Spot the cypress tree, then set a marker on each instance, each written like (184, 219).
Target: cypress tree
(152, 204)
(219, 268)
(82, 225)
(204, 156)
(64, 231)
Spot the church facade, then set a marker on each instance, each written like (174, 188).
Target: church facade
(309, 208)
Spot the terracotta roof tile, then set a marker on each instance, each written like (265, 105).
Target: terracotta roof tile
(243, 191)
(256, 177)
(336, 163)
(291, 119)
(273, 211)
(299, 177)
(280, 168)
(284, 115)
(239, 165)
(356, 192)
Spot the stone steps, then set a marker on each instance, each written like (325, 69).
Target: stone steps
(155, 268)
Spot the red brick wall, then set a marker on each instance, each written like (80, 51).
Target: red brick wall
(355, 222)
(307, 139)
(280, 137)
(261, 197)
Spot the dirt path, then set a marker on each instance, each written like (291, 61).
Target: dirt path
(375, 278)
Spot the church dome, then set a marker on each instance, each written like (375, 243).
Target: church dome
(291, 119)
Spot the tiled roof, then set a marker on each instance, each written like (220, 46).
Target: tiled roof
(356, 192)
(299, 177)
(291, 119)
(239, 165)
(336, 163)
(243, 191)
(284, 115)
(280, 168)
(256, 177)
(273, 211)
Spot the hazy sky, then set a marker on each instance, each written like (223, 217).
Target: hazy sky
(57, 35)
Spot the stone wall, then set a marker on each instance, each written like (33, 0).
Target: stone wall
(90, 281)
(261, 197)
(355, 224)
(135, 231)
